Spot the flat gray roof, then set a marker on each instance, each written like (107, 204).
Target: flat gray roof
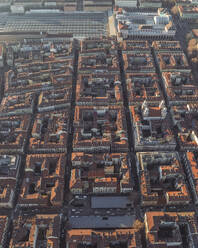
(109, 202)
(92, 221)
(80, 24)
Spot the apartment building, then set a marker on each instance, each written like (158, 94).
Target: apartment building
(143, 86)
(100, 128)
(162, 179)
(56, 99)
(180, 87)
(17, 83)
(99, 89)
(101, 173)
(43, 183)
(168, 229)
(152, 127)
(3, 228)
(49, 132)
(13, 133)
(188, 13)
(185, 2)
(41, 230)
(105, 185)
(103, 238)
(35, 50)
(9, 174)
(184, 117)
(91, 46)
(98, 63)
(191, 163)
(141, 61)
(17, 105)
(138, 45)
(173, 62)
(166, 46)
(38, 66)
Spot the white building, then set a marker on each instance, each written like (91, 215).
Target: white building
(195, 2)
(17, 9)
(139, 24)
(126, 3)
(150, 4)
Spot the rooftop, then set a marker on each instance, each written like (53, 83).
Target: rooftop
(138, 62)
(19, 104)
(162, 179)
(100, 173)
(3, 225)
(110, 202)
(180, 87)
(98, 63)
(91, 221)
(39, 76)
(9, 166)
(104, 238)
(174, 61)
(80, 24)
(100, 127)
(134, 23)
(189, 9)
(43, 183)
(55, 99)
(100, 89)
(39, 230)
(164, 46)
(49, 132)
(105, 45)
(191, 161)
(138, 45)
(143, 86)
(13, 133)
(170, 228)
(152, 126)
(9, 174)
(185, 119)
